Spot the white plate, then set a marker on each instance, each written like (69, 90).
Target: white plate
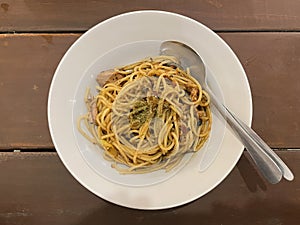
(93, 155)
(123, 34)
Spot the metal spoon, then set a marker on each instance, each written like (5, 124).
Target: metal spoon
(269, 164)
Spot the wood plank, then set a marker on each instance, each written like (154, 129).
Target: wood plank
(35, 188)
(27, 64)
(272, 62)
(55, 15)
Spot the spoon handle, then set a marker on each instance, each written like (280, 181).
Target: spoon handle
(287, 173)
(266, 164)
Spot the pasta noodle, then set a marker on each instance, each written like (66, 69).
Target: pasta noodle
(147, 115)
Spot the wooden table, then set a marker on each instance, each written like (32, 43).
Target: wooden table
(35, 188)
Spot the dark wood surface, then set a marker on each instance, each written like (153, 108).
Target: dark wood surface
(57, 15)
(27, 64)
(35, 188)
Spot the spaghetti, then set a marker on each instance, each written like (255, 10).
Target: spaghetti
(146, 116)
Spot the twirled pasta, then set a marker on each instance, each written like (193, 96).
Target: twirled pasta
(147, 115)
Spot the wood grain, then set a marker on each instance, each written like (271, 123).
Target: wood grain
(27, 64)
(35, 188)
(272, 62)
(28, 61)
(56, 15)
